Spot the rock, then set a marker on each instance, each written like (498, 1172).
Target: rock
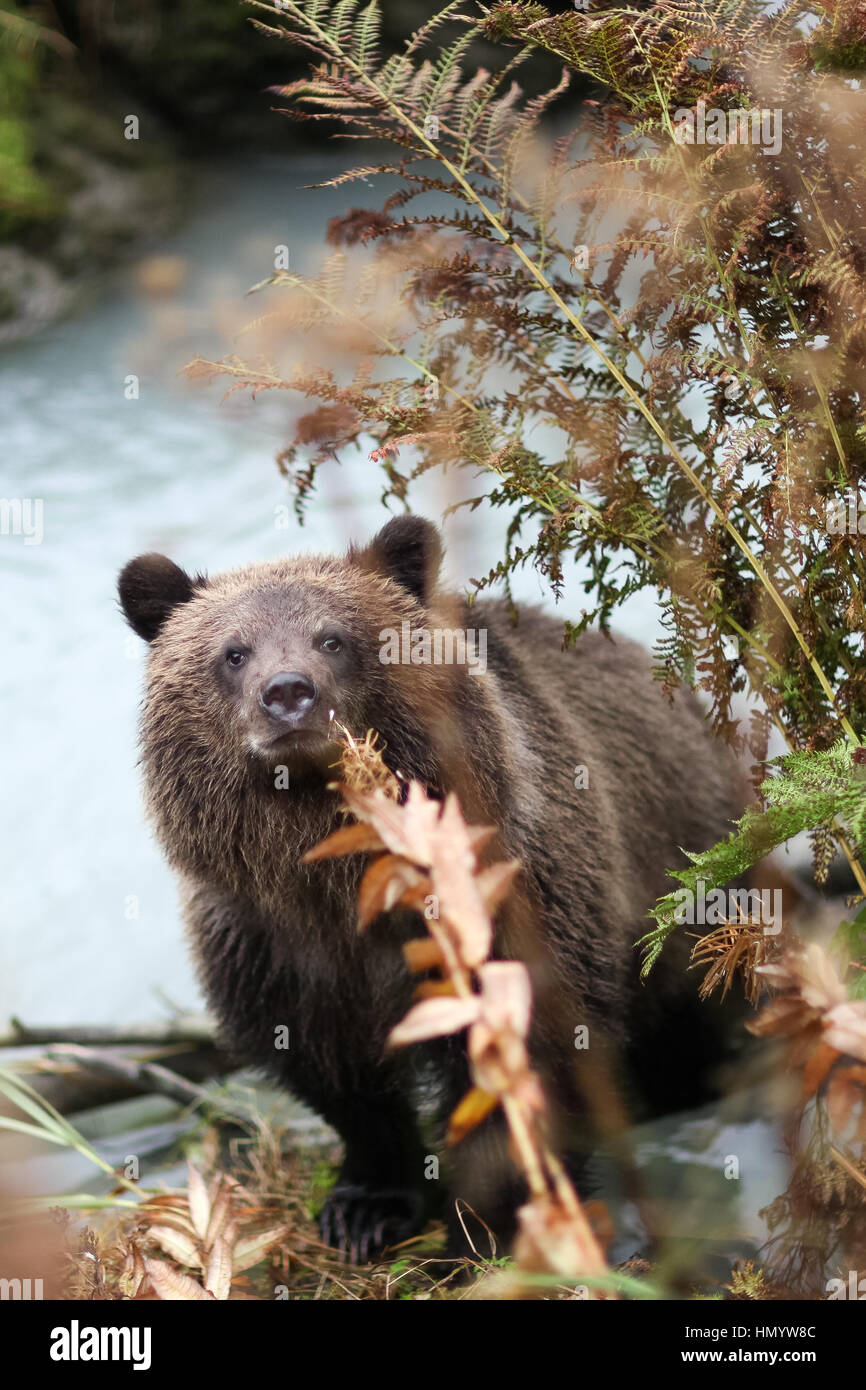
(33, 294)
(113, 211)
(110, 213)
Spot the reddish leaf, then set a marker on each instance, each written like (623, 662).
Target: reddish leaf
(817, 1067)
(475, 1106)
(382, 886)
(350, 839)
(845, 1093)
(423, 954)
(435, 989)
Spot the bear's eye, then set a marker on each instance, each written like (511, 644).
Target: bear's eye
(331, 644)
(235, 657)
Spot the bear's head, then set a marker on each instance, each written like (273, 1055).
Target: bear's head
(253, 665)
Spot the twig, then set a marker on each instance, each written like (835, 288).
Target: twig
(144, 1076)
(196, 1028)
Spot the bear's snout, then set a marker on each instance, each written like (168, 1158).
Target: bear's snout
(288, 696)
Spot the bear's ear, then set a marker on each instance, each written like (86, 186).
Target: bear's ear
(149, 588)
(409, 550)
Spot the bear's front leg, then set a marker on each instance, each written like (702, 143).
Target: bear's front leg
(380, 1197)
(261, 982)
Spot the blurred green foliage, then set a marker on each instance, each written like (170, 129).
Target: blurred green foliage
(25, 194)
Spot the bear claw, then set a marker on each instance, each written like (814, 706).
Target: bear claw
(361, 1222)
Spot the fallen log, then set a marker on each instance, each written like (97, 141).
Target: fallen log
(181, 1028)
(67, 1083)
(143, 1076)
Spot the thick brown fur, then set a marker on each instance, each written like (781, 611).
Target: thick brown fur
(276, 940)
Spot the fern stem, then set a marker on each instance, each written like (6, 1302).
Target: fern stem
(732, 530)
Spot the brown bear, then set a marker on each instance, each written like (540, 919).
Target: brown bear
(594, 780)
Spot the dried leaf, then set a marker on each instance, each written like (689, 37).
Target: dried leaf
(478, 836)
(845, 1028)
(552, 1239)
(845, 1095)
(475, 1106)
(221, 1212)
(172, 1217)
(181, 1247)
(165, 1203)
(423, 954)
(382, 887)
(817, 1067)
(252, 1249)
(199, 1202)
(494, 883)
(435, 989)
(500, 1062)
(218, 1275)
(350, 839)
(455, 885)
(172, 1286)
(434, 1018)
(809, 973)
(416, 895)
(785, 1015)
(507, 996)
(820, 985)
(407, 829)
(134, 1273)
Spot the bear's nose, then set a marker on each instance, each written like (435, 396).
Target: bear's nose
(287, 695)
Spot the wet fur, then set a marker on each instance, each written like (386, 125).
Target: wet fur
(276, 941)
